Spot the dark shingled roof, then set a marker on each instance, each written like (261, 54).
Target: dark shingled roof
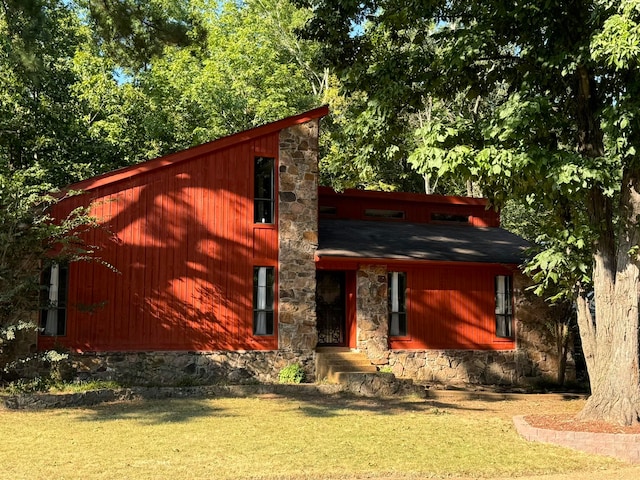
(412, 241)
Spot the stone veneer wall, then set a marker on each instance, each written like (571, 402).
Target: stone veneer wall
(536, 333)
(298, 237)
(183, 368)
(461, 367)
(533, 360)
(372, 313)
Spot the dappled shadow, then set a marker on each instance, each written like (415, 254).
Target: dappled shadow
(170, 410)
(333, 405)
(183, 242)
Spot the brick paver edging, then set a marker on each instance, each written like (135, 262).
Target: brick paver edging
(623, 446)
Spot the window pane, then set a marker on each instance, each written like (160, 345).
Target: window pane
(264, 190)
(397, 304)
(263, 300)
(53, 297)
(504, 306)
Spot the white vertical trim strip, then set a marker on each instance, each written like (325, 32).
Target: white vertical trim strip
(51, 325)
(261, 320)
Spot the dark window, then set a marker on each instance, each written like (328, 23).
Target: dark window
(326, 210)
(264, 190)
(263, 280)
(53, 299)
(397, 304)
(449, 218)
(378, 213)
(504, 306)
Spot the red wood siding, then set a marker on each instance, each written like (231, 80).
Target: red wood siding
(417, 208)
(184, 243)
(451, 307)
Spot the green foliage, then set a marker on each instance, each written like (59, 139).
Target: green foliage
(292, 373)
(28, 239)
(501, 109)
(136, 31)
(84, 386)
(243, 67)
(538, 103)
(23, 385)
(46, 384)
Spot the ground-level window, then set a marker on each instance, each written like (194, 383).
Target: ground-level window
(504, 306)
(53, 299)
(263, 295)
(264, 190)
(397, 304)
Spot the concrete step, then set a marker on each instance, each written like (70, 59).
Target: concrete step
(353, 371)
(329, 361)
(335, 373)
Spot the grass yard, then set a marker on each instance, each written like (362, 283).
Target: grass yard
(270, 437)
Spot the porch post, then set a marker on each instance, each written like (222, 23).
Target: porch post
(372, 316)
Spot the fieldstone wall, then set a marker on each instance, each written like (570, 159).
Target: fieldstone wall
(372, 313)
(186, 368)
(298, 237)
(462, 367)
(538, 334)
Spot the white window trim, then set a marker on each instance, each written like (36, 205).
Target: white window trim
(395, 313)
(504, 304)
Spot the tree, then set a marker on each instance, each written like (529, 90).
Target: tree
(29, 241)
(558, 82)
(134, 31)
(243, 68)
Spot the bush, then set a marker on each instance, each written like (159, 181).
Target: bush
(292, 373)
(22, 386)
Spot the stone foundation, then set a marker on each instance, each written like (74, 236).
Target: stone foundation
(187, 368)
(463, 367)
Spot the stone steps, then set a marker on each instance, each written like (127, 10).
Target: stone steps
(354, 371)
(331, 362)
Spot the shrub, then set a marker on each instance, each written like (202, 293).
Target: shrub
(292, 373)
(22, 386)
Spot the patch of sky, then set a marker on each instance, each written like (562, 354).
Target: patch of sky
(121, 77)
(357, 29)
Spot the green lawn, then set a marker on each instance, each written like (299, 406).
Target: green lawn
(276, 437)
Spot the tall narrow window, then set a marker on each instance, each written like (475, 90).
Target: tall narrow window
(53, 316)
(397, 304)
(504, 306)
(264, 190)
(263, 280)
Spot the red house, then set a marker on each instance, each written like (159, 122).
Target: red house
(229, 260)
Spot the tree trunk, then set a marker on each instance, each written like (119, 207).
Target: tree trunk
(610, 340)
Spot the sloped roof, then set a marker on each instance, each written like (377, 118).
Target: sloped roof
(206, 148)
(412, 241)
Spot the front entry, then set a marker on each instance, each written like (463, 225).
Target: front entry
(331, 308)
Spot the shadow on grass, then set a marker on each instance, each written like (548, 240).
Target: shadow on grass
(337, 404)
(169, 410)
(307, 402)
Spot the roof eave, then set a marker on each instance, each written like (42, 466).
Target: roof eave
(127, 173)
